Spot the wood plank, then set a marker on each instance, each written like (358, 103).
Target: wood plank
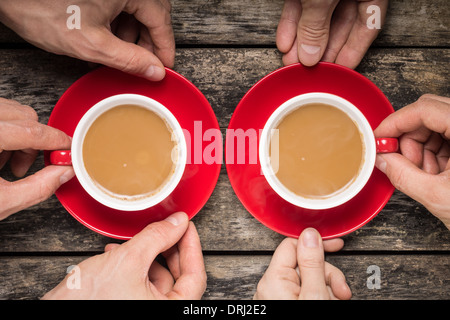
(236, 277)
(225, 225)
(233, 22)
(223, 75)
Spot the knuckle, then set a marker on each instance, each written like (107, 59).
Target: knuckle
(132, 63)
(29, 113)
(312, 262)
(45, 191)
(33, 129)
(314, 32)
(92, 46)
(435, 195)
(425, 101)
(399, 178)
(427, 96)
(154, 231)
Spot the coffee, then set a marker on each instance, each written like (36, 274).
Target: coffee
(127, 151)
(320, 150)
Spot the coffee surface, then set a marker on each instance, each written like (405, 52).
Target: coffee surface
(127, 151)
(320, 150)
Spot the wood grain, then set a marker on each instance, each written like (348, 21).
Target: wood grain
(223, 75)
(254, 23)
(235, 277)
(225, 47)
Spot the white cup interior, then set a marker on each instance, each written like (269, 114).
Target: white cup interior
(125, 203)
(341, 196)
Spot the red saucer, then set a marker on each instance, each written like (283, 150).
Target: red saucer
(252, 113)
(185, 102)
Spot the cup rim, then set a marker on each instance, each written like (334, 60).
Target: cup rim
(341, 196)
(135, 203)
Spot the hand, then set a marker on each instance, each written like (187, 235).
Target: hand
(422, 170)
(329, 30)
(44, 24)
(129, 271)
(314, 278)
(21, 138)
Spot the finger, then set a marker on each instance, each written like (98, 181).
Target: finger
(9, 101)
(285, 256)
(437, 98)
(125, 56)
(333, 245)
(18, 195)
(166, 4)
(341, 24)
(161, 278)
(4, 158)
(335, 279)
(432, 149)
(411, 145)
(145, 40)
(291, 56)
(156, 238)
(172, 257)
(192, 281)
(443, 157)
(27, 134)
(191, 284)
(281, 280)
(111, 246)
(427, 112)
(155, 15)
(22, 160)
(311, 262)
(361, 36)
(287, 27)
(407, 177)
(12, 110)
(313, 30)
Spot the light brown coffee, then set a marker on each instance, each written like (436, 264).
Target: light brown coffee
(320, 150)
(127, 151)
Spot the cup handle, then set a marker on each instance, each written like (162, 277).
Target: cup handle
(387, 145)
(61, 157)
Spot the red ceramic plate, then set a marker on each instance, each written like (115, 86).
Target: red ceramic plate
(185, 102)
(252, 113)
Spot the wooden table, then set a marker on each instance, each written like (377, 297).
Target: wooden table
(224, 47)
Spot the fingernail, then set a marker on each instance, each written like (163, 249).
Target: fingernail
(380, 163)
(309, 54)
(69, 174)
(310, 49)
(310, 238)
(177, 218)
(154, 73)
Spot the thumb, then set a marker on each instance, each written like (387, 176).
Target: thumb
(311, 264)
(128, 57)
(157, 237)
(313, 30)
(405, 176)
(21, 194)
